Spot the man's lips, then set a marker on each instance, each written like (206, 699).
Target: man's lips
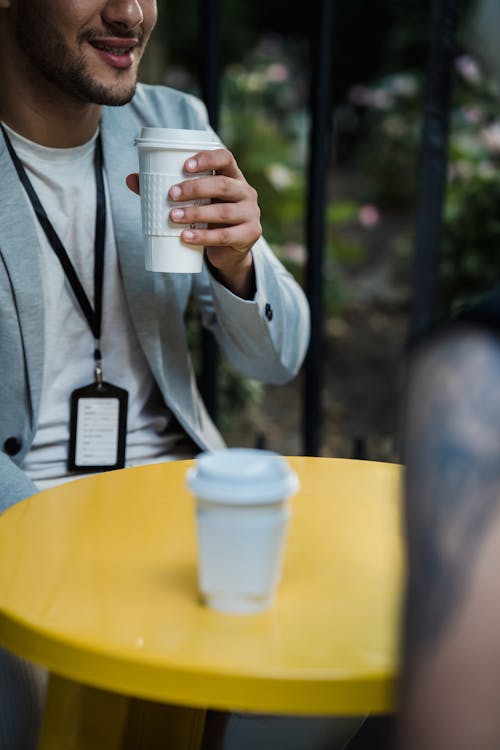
(116, 51)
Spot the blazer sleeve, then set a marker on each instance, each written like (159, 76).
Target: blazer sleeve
(265, 338)
(14, 484)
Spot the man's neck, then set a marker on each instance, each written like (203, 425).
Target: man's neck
(48, 126)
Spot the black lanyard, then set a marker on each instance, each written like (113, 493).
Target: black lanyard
(93, 316)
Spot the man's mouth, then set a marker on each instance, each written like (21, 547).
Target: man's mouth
(115, 46)
(115, 51)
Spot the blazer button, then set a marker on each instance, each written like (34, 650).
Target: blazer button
(12, 446)
(268, 311)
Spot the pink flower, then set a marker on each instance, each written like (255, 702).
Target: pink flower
(472, 115)
(294, 252)
(277, 73)
(490, 138)
(405, 85)
(368, 216)
(360, 95)
(468, 68)
(280, 176)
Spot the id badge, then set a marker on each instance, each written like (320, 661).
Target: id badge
(98, 428)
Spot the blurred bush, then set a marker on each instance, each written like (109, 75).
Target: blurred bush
(472, 211)
(265, 122)
(389, 113)
(377, 120)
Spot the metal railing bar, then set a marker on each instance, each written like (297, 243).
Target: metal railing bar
(433, 165)
(321, 98)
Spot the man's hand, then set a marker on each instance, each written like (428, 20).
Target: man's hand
(232, 216)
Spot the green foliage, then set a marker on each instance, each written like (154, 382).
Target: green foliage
(472, 217)
(179, 29)
(378, 122)
(391, 121)
(342, 216)
(264, 122)
(238, 396)
(469, 261)
(341, 212)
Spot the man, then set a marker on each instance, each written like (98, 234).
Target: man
(62, 63)
(76, 305)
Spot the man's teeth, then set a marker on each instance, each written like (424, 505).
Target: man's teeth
(113, 50)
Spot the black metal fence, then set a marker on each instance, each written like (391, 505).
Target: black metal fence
(433, 163)
(431, 186)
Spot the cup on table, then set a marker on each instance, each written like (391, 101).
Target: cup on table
(162, 154)
(242, 517)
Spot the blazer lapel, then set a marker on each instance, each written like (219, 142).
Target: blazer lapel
(118, 130)
(19, 250)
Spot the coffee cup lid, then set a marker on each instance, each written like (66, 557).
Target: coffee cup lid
(177, 138)
(242, 475)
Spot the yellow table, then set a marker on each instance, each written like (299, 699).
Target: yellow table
(98, 584)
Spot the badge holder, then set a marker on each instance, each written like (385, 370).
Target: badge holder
(98, 427)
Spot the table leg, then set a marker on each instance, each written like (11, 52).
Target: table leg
(160, 726)
(80, 717)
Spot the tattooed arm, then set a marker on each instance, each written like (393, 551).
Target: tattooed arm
(450, 678)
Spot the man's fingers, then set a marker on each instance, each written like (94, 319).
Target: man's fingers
(219, 160)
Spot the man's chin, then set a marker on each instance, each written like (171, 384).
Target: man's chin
(112, 96)
(119, 100)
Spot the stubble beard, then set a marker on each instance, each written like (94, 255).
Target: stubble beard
(48, 52)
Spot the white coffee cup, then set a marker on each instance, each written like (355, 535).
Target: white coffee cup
(162, 154)
(242, 516)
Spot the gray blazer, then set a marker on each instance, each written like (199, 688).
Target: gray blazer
(265, 339)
